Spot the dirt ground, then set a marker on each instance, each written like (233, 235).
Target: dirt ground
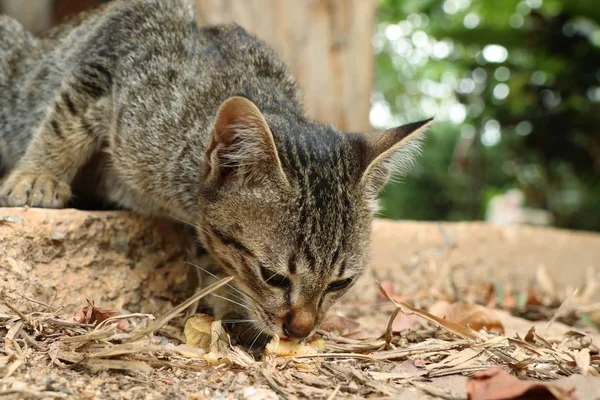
(442, 306)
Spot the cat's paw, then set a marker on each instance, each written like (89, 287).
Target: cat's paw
(34, 190)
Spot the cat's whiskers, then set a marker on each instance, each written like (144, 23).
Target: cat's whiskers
(236, 296)
(256, 338)
(231, 301)
(184, 221)
(237, 321)
(198, 227)
(240, 291)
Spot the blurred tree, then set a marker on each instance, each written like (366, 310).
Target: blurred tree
(515, 88)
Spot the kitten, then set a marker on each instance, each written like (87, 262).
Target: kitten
(136, 105)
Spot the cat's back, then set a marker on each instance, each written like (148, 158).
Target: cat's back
(239, 63)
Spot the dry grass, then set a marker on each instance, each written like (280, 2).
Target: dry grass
(431, 357)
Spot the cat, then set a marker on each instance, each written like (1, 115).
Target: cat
(136, 105)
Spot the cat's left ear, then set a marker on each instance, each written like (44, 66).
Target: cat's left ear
(391, 153)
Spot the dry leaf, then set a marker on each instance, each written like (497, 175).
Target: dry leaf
(403, 322)
(219, 340)
(189, 352)
(497, 384)
(583, 361)
(203, 332)
(90, 314)
(388, 288)
(340, 325)
(533, 298)
(450, 326)
(197, 331)
(469, 315)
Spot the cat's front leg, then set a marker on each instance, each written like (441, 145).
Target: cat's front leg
(65, 141)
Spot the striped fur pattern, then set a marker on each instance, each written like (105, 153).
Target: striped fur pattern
(136, 106)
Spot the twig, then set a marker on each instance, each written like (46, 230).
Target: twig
(335, 391)
(23, 317)
(66, 323)
(156, 325)
(150, 317)
(389, 335)
(275, 386)
(29, 340)
(335, 355)
(560, 308)
(35, 301)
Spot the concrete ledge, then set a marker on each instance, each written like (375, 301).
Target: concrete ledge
(62, 257)
(120, 260)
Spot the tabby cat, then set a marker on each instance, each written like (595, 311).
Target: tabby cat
(136, 105)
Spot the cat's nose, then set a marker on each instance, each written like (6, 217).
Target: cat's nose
(299, 324)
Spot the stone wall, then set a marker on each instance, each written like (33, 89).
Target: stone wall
(120, 260)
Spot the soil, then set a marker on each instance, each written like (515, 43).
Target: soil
(51, 261)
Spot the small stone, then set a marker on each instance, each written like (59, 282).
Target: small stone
(11, 219)
(18, 385)
(58, 235)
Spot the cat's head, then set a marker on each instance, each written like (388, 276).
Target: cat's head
(287, 208)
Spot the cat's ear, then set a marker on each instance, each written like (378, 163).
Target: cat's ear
(242, 148)
(391, 153)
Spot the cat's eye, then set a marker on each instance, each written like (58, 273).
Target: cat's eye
(339, 285)
(273, 279)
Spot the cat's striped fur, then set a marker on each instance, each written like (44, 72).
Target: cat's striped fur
(137, 106)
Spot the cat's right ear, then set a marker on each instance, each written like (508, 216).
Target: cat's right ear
(242, 148)
(389, 153)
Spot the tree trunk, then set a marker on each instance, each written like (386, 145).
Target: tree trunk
(34, 15)
(326, 43)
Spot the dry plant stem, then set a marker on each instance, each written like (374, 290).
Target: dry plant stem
(561, 308)
(335, 355)
(160, 322)
(335, 391)
(19, 313)
(36, 301)
(388, 332)
(150, 317)
(275, 386)
(67, 324)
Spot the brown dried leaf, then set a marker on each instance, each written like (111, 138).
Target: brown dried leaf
(90, 314)
(340, 325)
(403, 322)
(388, 288)
(530, 335)
(450, 326)
(533, 298)
(197, 331)
(468, 315)
(497, 384)
(583, 361)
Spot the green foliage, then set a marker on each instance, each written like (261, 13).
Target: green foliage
(515, 89)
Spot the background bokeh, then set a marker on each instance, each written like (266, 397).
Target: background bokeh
(515, 89)
(514, 86)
